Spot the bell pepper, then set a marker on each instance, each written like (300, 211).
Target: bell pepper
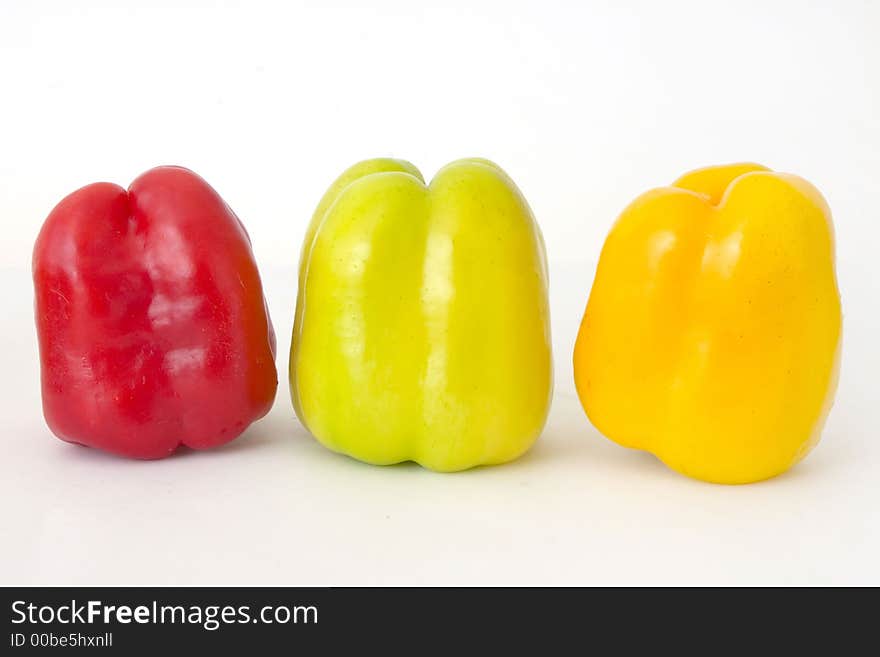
(152, 327)
(712, 333)
(422, 327)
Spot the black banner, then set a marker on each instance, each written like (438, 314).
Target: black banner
(132, 621)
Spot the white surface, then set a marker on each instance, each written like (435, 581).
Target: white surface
(585, 106)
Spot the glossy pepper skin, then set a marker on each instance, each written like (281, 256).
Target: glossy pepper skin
(152, 326)
(712, 334)
(422, 326)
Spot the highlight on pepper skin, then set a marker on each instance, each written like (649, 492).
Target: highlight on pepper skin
(151, 321)
(422, 329)
(712, 334)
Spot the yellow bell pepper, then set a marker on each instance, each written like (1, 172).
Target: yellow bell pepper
(713, 329)
(422, 325)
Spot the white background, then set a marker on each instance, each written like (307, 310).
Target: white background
(586, 105)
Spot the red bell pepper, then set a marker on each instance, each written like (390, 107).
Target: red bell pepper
(152, 325)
